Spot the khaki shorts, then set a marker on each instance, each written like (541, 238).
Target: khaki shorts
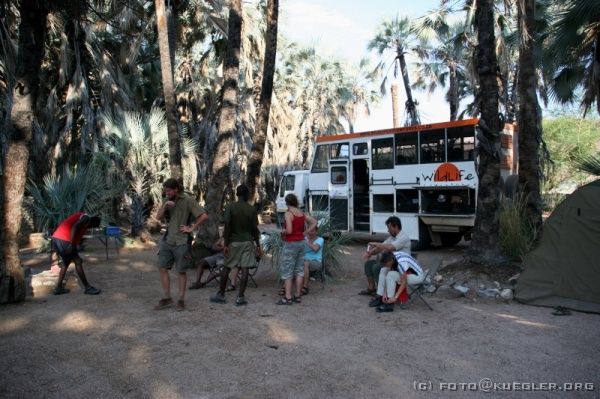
(241, 254)
(314, 265)
(174, 254)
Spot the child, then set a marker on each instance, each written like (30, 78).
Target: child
(403, 270)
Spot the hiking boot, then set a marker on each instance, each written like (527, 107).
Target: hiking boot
(386, 307)
(240, 301)
(180, 305)
(375, 302)
(217, 298)
(163, 304)
(92, 291)
(61, 290)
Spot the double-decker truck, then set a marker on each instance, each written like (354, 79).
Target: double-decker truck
(426, 175)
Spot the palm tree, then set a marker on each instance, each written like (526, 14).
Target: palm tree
(219, 169)
(529, 119)
(165, 40)
(445, 59)
(266, 92)
(32, 31)
(398, 36)
(484, 246)
(572, 52)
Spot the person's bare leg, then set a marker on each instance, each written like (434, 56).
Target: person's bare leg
(299, 282)
(306, 275)
(243, 281)
(182, 280)
(288, 288)
(202, 265)
(370, 283)
(165, 282)
(61, 277)
(79, 269)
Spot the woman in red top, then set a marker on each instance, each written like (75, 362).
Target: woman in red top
(292, 256)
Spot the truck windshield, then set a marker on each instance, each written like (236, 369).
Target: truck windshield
(287, 184)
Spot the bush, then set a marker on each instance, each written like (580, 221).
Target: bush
(517, 235)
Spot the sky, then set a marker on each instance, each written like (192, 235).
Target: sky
(342, 28)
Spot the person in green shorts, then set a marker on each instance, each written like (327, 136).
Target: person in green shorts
(242, 243)
(174, 248)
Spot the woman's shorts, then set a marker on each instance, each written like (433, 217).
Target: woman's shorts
(292, 260)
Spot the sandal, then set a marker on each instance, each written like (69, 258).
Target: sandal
(560, 311)
(282, 291)
(230, 288)
(197, 285)
(304, 290)
(284, 301)
(163, 303)
(297, 299)
(368, 292)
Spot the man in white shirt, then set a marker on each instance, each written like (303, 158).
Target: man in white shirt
(397, 241)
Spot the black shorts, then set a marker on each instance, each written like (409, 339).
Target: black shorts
(61, 248)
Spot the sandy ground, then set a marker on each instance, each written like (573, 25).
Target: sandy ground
(332, 345)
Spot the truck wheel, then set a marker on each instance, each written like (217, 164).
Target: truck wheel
(424, 238)
(450, 239)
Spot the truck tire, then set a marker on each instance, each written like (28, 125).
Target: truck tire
(450, 239)
(424, 238)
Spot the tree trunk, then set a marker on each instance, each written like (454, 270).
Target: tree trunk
(219, 169)
(411, 107)
(453, 93)
(395, 105)
(485, 246)
(166, 67)
(264, 103)
(530, 126)
(32, 30)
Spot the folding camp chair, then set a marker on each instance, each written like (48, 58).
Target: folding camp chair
(425, 286)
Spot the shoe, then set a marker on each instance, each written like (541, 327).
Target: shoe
(217, 298)
(284, 301)
(386, 307)
(61, 290)
(241, 301)
(375, 302)
(368, 292)
(163, 303)
(180, 305)
(92, 291)
(196, 285)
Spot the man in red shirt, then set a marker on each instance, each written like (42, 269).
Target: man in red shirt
(65, 240)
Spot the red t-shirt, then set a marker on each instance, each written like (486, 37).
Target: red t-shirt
(63, 231)
(297, 229)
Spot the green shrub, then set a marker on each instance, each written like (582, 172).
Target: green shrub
(517, 234)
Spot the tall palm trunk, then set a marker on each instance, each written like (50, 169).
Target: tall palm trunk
(411, 107)
(453, 93)
(395, 92)
(32, 31)
(166, 67)
(264, 103)
(529, 117)
(485, 247)
(219, 169)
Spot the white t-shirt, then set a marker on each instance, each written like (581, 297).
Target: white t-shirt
(401, 242)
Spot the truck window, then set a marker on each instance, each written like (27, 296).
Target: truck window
(360, 149)
(338, 175)
(383, 203)
(321, 158)
(340, 150)
(406, 148)
(407, 201)
(432, 146)
(461, 143)
(383, 153)
(287, 184)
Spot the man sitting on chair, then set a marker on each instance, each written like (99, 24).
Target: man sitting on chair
(402, 271)
(397, 241)
(313, 256)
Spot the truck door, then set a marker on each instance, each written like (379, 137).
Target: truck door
(338, 193)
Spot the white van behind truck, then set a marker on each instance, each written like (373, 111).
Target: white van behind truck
(292, 182)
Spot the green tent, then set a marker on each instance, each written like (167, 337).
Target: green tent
(564, 268)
